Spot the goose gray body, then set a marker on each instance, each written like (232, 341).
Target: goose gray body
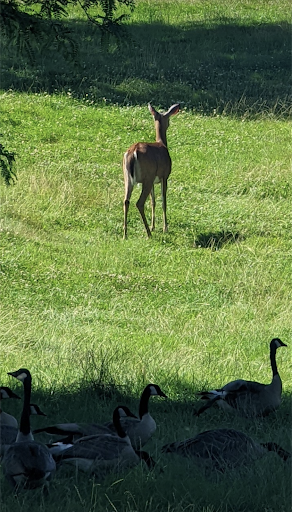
(141, 429)
(9, 432)
(8, 436)
(27, 463)
(223, 448)
(5, 418)
(249, 398)
(8, 420)
(100, 453)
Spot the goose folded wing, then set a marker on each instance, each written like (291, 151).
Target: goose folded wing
(74, 429)
(92, 447)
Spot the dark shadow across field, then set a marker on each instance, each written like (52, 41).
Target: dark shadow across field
(174, 479)
(94, 402)
(224, 68)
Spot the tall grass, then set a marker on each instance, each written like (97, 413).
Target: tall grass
(96, 318)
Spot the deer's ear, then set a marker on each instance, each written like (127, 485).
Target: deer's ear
(173, 110)
(152, 110)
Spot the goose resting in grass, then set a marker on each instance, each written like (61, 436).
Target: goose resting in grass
(224, 448)
(99, 454)
(141, 429)
(5, 418)
(247, 397)
(27, 463)
(8, 432)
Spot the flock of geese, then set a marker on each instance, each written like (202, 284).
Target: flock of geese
(118, 444)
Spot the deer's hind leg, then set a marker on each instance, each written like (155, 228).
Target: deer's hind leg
(129, 185)
(146, 190)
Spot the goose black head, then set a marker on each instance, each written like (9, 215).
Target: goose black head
(276, 343)
(22, 374)
(6, 392)
(35, 410)
(124, 411)
(154, 390)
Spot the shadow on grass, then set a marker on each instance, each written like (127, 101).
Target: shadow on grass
(222, 68)
(216, 241)
(94, 402)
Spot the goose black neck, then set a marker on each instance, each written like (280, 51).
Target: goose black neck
(24, 426)
(117, 423)
(273, 359)
(144, 400)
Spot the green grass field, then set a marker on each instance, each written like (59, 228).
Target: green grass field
(95, 318)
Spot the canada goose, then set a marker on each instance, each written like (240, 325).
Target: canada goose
(8, 432)
(247, 397)
(60, 446)
(76, 432)
(27, 463)
(57, 447)
(141, 429)
(5, 418)
(100, 453)
(223, 448)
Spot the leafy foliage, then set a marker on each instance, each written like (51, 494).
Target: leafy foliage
(36, 24)
(7, 160)
(109, 25)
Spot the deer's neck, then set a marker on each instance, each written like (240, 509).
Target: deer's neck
(160, 133)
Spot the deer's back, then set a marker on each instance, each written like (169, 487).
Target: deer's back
(153, 156)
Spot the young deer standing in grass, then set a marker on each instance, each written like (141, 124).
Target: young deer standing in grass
(149, 163)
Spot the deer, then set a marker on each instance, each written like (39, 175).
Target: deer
(149, 163)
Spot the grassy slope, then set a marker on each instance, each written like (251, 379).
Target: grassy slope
(76, 300)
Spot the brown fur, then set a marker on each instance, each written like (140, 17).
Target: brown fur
(149, 163)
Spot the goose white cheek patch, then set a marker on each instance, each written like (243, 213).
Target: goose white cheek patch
(21, 376)
(153, 391)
